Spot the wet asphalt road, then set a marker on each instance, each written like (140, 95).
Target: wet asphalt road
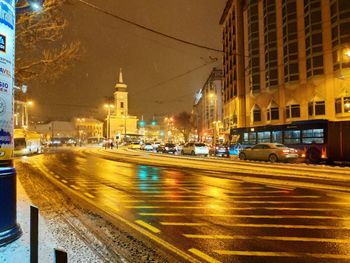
(206, 218)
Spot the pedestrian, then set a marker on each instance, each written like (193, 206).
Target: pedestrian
(112, 145)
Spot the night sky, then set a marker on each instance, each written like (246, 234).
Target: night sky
(148, 60)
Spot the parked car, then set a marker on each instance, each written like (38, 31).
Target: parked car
(219, 150)
(272, 152)
(167, 148)
(179, 147)
(155, 145)
(147, 147)
(134, 145)
(195, 148)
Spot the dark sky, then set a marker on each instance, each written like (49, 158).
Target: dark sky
(147, 59)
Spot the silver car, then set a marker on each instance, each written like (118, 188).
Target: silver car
(272, 152)
(195, 148)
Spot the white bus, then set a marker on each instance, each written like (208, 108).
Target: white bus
(26, 142)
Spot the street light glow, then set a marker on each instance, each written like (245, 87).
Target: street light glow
(347, 53)
(36, 6)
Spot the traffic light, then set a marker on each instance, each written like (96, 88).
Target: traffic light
(142, 123)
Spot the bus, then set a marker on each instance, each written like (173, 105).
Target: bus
(26, 142)
(315, 140)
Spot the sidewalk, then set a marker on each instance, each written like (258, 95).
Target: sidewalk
(18, 251)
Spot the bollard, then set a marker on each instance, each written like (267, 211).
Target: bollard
(60, 256)
(34, 234)
(9, 229)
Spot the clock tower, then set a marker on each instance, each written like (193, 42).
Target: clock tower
(121, 97)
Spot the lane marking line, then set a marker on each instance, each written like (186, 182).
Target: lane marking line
(251, 202)
(233, 208)
(246, 216)
(287, 226)
(280, 254)
(148, 226)
(89, 195)
(64, 181)
(203, 255)
(229, 197)
(182, 224)
(75, 187)
(278, 238)
(57, 176)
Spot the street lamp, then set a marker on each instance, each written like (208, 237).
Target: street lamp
(125, 117)
(108, 107)
(26, 104)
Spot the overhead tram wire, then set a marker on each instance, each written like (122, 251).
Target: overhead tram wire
(147, 28)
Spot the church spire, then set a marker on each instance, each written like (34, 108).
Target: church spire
(120, 76)
(120, 86)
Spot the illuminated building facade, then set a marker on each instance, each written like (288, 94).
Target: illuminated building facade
(285, 60)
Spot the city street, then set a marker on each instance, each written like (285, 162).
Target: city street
(210, 210)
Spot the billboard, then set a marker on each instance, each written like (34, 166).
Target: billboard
(7, 67)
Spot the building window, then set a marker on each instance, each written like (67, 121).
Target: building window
(253, 46)
(342, 105)
(122, 105)
(313, 37)
(316, 108)
(272, 111)
(293, 111)
(270, 45)
(340, 13)
(290, 40)
(256, 113)
(338, 105)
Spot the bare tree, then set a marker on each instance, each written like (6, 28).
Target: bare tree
(39, 51)
(183, 124)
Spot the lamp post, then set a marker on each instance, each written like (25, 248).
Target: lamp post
(125, 117)
(108, 107)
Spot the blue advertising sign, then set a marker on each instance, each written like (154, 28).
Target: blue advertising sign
(7, 63)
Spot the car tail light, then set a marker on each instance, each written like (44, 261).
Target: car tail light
(286, 151)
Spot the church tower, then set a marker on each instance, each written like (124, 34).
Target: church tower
(121, 97)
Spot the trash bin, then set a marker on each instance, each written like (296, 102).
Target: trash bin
(9, 229)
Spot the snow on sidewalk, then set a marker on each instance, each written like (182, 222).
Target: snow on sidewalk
(18, 251)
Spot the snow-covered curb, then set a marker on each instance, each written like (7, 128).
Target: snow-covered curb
(18, 251)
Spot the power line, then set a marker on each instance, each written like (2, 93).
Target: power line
(179, 75)
(147, 28)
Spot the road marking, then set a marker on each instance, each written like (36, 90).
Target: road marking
(280, 254)
(278, 238)
(74, 187)
(64, 181)
(286, 226)
(203, 256)
(51, 172)
(281, 187)
(89, 195)
(233, 208)
(251, 202)
(130, 201)
(148, 226)
(246, 216)
(182, 224)
(57, 176)
(230, 197)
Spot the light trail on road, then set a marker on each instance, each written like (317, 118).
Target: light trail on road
(201, 217)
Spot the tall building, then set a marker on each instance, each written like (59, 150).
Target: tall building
(120, 124)
(285, 60)
(207, 109)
